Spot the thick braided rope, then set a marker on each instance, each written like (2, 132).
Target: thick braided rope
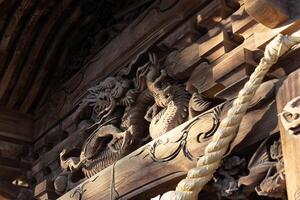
(198, 177)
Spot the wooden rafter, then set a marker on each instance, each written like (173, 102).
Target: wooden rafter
(47, 61)
(36, 53)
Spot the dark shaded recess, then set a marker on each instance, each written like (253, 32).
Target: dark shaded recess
(43, 53)
(53, 63)
(77, 176)
(105, 15)
(10, 12)
(46, 171)
(18, 70)
(19, 31)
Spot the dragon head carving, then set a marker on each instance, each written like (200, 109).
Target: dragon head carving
(290, 117)
(162, 91)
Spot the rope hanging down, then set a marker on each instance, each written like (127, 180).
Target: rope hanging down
(198, 177)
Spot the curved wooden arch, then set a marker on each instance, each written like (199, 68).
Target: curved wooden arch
(36, 53)
(47, 61)
(23, 46)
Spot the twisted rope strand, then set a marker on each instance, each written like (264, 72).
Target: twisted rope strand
(198, 177)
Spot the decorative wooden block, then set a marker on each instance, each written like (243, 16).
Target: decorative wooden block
(235, 67)
(201, 76)
(288, 106)
(242, 23)
(180, 64)
(270, 13)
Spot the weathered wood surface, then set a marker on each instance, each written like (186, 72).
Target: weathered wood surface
(49, 158)
(16, 125)
(255, 35)
(290, 141)
(45, 190)
(154, 24)
(35, 54)
(61, 35)
(170, 156)
(25, 39)
(227, 71)
(270, 13)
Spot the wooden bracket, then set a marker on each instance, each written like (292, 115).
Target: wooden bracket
(270, 13)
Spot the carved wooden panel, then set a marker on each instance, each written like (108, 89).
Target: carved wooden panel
(171, 155)
(288, 105)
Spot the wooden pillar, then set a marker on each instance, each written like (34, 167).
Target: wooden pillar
(288, 106)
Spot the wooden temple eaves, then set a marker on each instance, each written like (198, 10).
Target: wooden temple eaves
(119, 100)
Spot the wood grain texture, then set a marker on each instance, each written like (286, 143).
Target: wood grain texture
(16, 125)
(147, 29)
(290, 143)
(11, 31)
(23, 47)
(47, 60)
(270, 13)
(35, 55)
(170, 156)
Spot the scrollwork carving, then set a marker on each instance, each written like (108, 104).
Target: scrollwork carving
(212, 119)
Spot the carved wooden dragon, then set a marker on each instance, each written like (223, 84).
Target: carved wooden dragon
(100, 150)
(173, 100)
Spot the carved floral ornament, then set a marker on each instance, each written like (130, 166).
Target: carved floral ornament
(290, 116)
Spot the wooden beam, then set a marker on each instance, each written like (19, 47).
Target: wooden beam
(263, 34)
(22, 46)
(288, 106)
(38, 49)
(16, 125)
(14, 164)
(11, 191)
(45, 190)
(11, 31)
(180, 64)
(5, 8)
(270, 13)
(47, 60)
(242, 23)
(170, 156)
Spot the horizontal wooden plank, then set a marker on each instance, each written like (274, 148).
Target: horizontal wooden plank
(14, 163)
(16, 125)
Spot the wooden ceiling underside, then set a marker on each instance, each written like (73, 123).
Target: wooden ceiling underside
(35, 36)
(42, 44)
(31, 33)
